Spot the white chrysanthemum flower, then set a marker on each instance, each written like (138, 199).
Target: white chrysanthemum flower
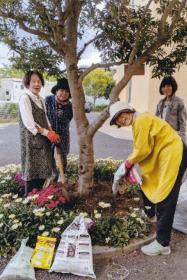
(136, 209)
(136, 198)
(6, 195)
(20, 224)
(18, 199)
(12, 216)
(6, 205)
(42, 227)
(38, 214)
(34, 196)
(16, 221)
(45, 233)
(84, 214)
(95, 211)
(38, 210)
(1, 216)
(107, 239)
(60, 222)
(133, 215)
(97, 215)
(25, 201)
(1, 224)
(55, 229)
(14, 226)
(48, 214)
(1, 199)
(50, 196)
(148, 207)
(104, 204)
(15, 196)
(57, 215)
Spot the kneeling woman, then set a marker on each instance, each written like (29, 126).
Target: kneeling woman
(160, 153)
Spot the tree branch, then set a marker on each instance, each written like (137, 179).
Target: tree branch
(98, 65)
(36, 32)
(135, 47)
(86, 45)
(172, 26)
(165, 15)
(93, 127)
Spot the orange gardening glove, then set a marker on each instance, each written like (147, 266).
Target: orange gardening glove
(53, 137)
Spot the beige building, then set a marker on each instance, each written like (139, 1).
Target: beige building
(142, 92)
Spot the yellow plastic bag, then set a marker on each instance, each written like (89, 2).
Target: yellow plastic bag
(43, 252)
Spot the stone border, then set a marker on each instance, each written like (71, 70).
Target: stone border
(103, 252)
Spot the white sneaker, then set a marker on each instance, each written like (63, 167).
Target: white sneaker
(155, 248)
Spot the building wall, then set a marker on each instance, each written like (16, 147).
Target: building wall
(145, 90)
(15, 89)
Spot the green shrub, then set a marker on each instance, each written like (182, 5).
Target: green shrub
(99, 108)
(9, 111)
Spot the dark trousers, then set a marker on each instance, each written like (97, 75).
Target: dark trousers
(165, 209)
(33, 184)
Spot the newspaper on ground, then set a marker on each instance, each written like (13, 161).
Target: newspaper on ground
(19, 267)
(74, 253)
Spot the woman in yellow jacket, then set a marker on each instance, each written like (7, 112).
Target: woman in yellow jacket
(159, 151)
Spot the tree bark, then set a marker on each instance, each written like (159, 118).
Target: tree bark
(85, 139)
(85, 165)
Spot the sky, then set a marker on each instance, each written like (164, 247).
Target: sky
(90, 56)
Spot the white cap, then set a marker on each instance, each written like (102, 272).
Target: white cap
(117, 108)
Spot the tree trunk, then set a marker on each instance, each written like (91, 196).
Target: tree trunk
(85, 165)
(85, 139)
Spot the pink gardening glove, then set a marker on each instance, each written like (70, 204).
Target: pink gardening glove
(128, 165)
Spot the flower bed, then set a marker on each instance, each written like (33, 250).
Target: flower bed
(116, 220)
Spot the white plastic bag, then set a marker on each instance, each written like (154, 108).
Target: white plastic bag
(19, 267)
(134, 177)
(74, 253)
(180, 218)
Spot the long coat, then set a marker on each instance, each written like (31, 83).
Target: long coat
(176, 114)
(60, 120)
(158, 151)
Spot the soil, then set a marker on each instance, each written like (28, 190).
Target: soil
(103, 192)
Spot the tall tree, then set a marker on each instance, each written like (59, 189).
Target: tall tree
(152, 34)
